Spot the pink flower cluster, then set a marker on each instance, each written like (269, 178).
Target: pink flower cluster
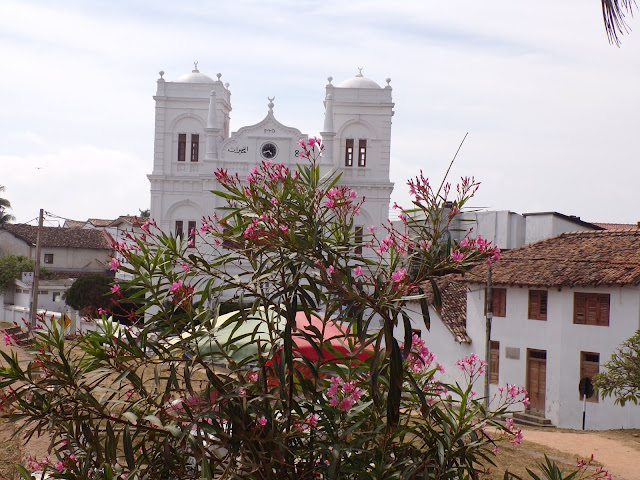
(420, 357)
(472, 365)
(517, 433)
(343, 394)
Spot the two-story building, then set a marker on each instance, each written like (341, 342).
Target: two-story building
(561, 307)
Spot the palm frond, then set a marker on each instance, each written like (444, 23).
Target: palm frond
(613, 14)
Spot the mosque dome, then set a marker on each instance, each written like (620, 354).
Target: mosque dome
(359, 81)
(195, 77)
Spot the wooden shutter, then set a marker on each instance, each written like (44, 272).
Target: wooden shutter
(579, 308)
(499, 301)
(179, 228)
(195, 147)
(591, 308)
(348, 153)
(537, 304)
(182, 146)
(362, 153)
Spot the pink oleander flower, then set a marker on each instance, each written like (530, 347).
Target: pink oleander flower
(352, 194)
(102, 311)
(330, 203)
(284, 228)
(7, 339)
(252, 377)
(371, 228)
(185, 267)
(114, 264)
(145, 226)
(274, 201)
(115, 288)
(457, 256)
(357, 271)
(311, 420)
(517, 440)
(399, 275)
(175, 286)
(330, 269)
(262, 421)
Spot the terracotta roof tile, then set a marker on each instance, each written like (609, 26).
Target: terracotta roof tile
(74, 223)
(454, 307)
(61, 237)
(619, 226)
(99, 222)
(590, 258)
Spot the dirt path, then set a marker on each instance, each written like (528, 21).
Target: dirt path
(621, 456)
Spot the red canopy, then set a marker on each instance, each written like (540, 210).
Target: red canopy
(331, 332)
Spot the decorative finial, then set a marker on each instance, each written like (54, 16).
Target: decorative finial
(161, 72)
(226, 85)
(388, 80)
(330, 79)
(270, 105)
(195, 67)
(218, 75)
(359, 72)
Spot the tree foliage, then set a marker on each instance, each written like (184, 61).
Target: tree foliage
(5, 204)
(11, 268)
(90, 293)
(621, 378)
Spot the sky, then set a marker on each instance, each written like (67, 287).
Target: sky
(552, 110)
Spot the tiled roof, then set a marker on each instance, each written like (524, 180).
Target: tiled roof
(131, 219)
(74, 223)
(589, 258)
(619, 226)
(454, 307)
(61, 237)
(99, 222)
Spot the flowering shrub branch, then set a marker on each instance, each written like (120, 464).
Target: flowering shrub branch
(303, 379)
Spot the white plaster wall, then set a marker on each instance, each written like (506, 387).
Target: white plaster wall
(563, 342)
(11, 245)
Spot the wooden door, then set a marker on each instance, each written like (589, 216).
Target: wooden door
(536, 379)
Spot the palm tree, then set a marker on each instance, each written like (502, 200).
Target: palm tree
(4, 205)
(613, 12)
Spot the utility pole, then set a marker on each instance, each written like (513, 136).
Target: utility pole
(487, 347)
(36, 276)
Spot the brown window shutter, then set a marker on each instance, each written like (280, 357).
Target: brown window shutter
(348, 153)
(362, 153)
(604, 310)
(182, 146)
(579, 308)
(195, 147)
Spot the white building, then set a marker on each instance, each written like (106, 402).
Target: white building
(193, 140)
(561, 307)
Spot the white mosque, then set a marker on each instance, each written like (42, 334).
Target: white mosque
(192, 141)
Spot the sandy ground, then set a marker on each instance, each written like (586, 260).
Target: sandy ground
(620, 458)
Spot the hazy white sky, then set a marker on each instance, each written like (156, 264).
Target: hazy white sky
(552, 110)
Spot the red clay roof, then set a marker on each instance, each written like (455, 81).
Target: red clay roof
(454, 307)
(589, 258)
(61, 237)
(619, 226)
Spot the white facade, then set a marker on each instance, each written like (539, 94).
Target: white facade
(193, 140)
(563, 341)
